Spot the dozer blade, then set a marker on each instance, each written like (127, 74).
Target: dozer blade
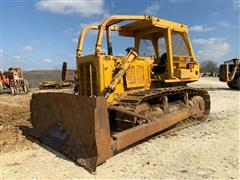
(76, 126)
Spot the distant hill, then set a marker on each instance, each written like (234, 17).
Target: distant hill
(37, 76)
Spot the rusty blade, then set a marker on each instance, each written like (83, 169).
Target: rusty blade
(76, 126)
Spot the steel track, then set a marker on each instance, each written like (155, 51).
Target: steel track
(133, 99)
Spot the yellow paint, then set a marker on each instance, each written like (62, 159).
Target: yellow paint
(96, 71)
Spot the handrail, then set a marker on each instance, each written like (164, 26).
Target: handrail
(110, 21)
(82, 37)
(83, 34)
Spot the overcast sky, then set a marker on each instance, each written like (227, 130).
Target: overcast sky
(42, 34)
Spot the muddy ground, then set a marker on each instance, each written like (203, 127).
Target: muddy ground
(207, 150)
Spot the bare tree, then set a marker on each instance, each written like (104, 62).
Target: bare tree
(209, 66)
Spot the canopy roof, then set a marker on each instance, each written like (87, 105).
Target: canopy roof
(150, 25)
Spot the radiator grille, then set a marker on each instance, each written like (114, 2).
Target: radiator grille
(88, 79)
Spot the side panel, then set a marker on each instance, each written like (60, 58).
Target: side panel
(95, 73)
(187, 71)
(138, 75)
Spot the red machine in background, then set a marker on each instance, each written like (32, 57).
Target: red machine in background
(13, 81)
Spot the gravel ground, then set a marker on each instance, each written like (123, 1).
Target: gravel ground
(207, 150)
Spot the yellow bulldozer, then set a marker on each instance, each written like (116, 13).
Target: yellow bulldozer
(122, 99)
(230, 72)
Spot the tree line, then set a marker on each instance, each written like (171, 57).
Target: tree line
(209, 67)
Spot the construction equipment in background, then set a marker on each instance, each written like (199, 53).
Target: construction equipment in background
(122, 99)
(68, 80)
(12, 81)
(230, 72)
(54, 85)
(68, 75)
(212, 74)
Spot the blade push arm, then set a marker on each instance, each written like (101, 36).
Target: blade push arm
(131, 56)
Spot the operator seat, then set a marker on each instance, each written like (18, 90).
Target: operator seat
(161, 67)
